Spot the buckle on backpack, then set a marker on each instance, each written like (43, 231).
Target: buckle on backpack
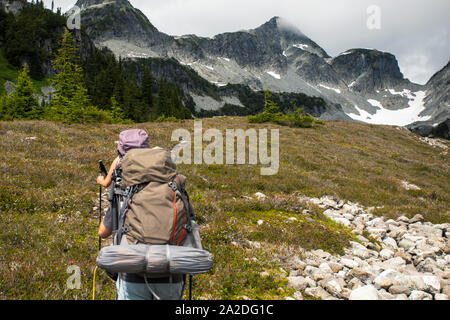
(173, 186)
(188, 228)
(125, 230)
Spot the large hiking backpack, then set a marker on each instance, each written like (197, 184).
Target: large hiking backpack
(152, 211)
(157, 210)
(157, 219)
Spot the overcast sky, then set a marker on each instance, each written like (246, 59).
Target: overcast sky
(416, 31)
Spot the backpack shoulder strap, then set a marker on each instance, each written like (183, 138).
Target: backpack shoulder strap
(128, 198)
(180, 191)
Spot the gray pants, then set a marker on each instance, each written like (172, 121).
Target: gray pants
(140, 291)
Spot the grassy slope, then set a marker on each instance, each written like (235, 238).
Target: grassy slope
(10, 73)
(47, 192)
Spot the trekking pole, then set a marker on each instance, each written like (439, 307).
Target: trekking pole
(102, 170)
(191, 278)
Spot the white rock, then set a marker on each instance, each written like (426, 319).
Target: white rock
(424, 229)
(433, 283)
(440, 296)
(361, 253)
(298, 296)
(343, 221)
(415, 282)
(390, 273)
(260, 222)
(365, 293)
(349, 263)
(355, 283)
(375, 222)
(349, 216)
(400, 290)
(401, 297)
(356, 245)
(297, 283)
(392, 222)
(315, 273)
(394, 263)
(362, 239)
(310, 270)
(403, 219)
(317, 292)
(420, 295)
(330, 213)
(416, 218)
(325, 268)
(383, 282)
(311, 283)
(321, 254)
(390, 242)
(406, 244)
(313, 262)
(255, 244)
(386, 254)
(352, 209)
(333, 287)
(377, 232)
(260, 196)
(396, 232)
(385, 295)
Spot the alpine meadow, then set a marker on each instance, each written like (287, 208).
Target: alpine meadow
(311, 177)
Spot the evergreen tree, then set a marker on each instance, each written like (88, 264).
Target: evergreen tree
(147, 89)
(4, 112)
(269, 105)
(71, 97)
(164, 103)
(22, 103)
(116, 111)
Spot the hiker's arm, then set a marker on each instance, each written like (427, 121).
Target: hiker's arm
(106, 182)
(104, 232)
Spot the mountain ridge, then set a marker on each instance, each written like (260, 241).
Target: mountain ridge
(276, 55)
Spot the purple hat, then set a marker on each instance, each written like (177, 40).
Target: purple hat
(132, 139)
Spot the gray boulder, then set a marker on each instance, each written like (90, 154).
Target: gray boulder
(365, 293)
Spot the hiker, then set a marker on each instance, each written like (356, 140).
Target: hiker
(133, 286)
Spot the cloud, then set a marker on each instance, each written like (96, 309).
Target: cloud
(416, 31)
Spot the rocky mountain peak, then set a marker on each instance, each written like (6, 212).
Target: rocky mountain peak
(368, 70)
(276, 55)
(117, 20)
(282, 28)
(90, 3)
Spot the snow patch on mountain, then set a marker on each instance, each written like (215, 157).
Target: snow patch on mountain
(301, 46)
(375, 103)
(400, 117)
(273, 74)
(97, 6)
(219, 84)
(208, 67)
(334, 89)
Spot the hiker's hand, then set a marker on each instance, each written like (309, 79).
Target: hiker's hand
(100, 180)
